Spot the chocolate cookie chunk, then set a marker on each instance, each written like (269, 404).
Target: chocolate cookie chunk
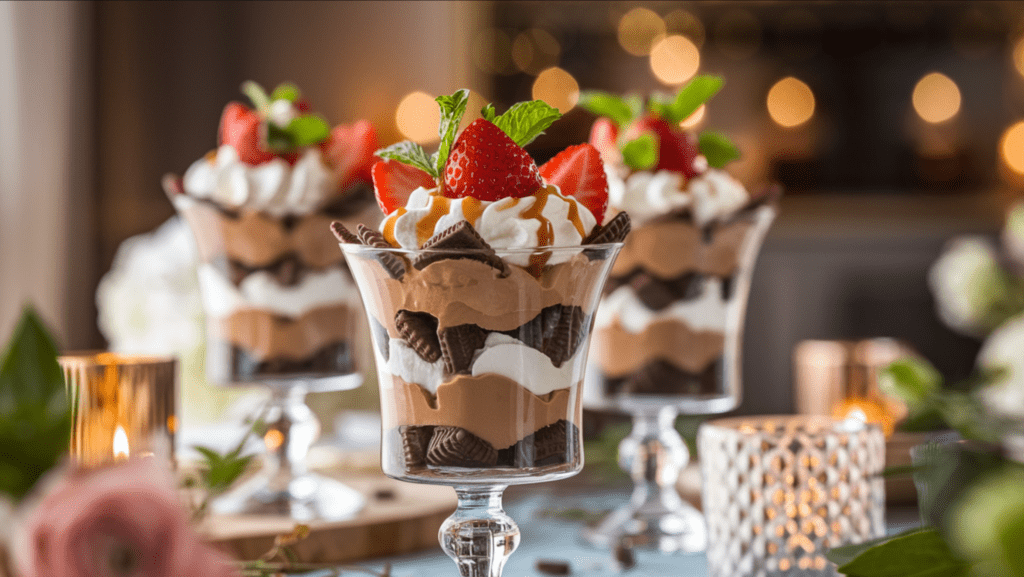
(566, 335)
(392, 263)
(458, 346)
(420, 331)
(415, 443)
(343, 234)
(615, 230)
(660, 377)
(550, 445)
(457, 447)
(464, 242)
(333, 359)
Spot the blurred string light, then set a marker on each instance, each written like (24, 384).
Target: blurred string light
(936, 98)
(558, 88)
(491, 50)
(790, 102)
(534, 50)
(683, 23)
(738, 34)
(639, 30)
(694, 119)
(417, 117)
(1018, 55)
(1011, 146)
(674, 60)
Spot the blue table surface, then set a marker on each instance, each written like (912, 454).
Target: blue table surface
(548, 537)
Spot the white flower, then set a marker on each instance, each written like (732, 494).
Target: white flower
(1004, 349)
(149, 301)
(961, 281)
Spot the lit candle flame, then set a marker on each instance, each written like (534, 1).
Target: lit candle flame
(121, 450)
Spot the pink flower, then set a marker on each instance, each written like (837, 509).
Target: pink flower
(120, 521)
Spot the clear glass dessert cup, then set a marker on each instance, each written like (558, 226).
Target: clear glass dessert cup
(480, 357)
(281, 311)
(667, 341)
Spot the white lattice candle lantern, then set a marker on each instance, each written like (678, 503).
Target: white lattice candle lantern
(780, 491)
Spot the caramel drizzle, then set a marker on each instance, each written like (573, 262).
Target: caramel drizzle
(472, 209)
(545, 233)
(439, 206)
(389, 226)
(574, 216)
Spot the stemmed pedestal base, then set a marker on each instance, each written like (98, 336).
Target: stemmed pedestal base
(284, 485)
(655, 517)
(479, 535)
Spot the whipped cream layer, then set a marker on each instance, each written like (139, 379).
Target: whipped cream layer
(545, 218)
(274, 187)
(501, 355)
(714, 195)
(704, 313)
(259, 290)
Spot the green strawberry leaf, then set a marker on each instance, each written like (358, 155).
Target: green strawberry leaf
(408, 152)
(257, 95)
(278, 139)
(35, 415)
(525, 121)
(605, 104)
(690, 97)
(918, 553)
(487, 112)
(640, 153)
(286, 91)
(717, 148)
(307, 130)
(452, 109)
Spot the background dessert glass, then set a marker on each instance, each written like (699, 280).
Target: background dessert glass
(281, 311)
(480, 356)
(671, 345)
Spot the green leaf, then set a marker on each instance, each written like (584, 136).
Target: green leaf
(257, 95)
(605, 104)
(846, 553)
(690, 97)
(717, 148)
(920, 553)
(487, 112)
(452, 109)
(525, 121)
(408, 152)
(219, 472)
(286, 91)
(987, 523)
(279, 139)
(35, 416)
(308, 129)
(640, 153)
(635, 104)
(911, 379)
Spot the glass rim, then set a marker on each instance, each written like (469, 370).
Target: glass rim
(752, 425)
(352, 248)
(113, 359)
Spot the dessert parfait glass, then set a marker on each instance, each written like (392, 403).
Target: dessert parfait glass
(667, 341)
(480, 356)
(281, 307)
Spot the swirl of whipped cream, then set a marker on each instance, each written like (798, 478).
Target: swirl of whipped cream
(273, 187)
(714, 195)
(545, 218)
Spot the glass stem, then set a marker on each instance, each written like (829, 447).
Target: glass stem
(479, 535)
(654, 454)
(291, 428)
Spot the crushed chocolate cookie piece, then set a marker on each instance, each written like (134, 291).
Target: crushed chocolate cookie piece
(566, 336)
(457, 447)
(343, 234)
(464, 242)
(392, 263)
(415, 443)
(615, 230)
(459, 345)
(420, 332)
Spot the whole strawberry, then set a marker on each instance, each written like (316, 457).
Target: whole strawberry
(488, 165)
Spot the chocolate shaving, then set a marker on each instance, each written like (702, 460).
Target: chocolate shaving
(392, 263)
(343, 234)
(420, 332)
(457, 447)
(415, 443)
(615, 230)
(459, 345)
(460, 237)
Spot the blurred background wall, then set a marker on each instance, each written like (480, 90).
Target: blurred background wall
(882, 161)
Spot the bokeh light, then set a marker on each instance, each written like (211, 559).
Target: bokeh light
(639, 30)
(1018, 56)
(534, 50)
(491, 49)
(417, 117)
(558, 88)
(683, 23)
(790, 102)
(1011, 146)
(936, 98)
(694, 119)
(674, 60)
(738, 34)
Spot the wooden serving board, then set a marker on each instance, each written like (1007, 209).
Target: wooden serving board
(406, 522)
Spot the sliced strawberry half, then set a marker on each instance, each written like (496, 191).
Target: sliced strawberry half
(579, 172)
(603, 135)
(240, 128)
(349, 149)
(488, 165)
(393, 182)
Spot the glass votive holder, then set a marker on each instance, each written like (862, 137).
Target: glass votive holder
(779, 491)
(122, 406)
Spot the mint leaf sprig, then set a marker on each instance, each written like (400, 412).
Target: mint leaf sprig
(523, 123)
(303, 130)
(641, 153)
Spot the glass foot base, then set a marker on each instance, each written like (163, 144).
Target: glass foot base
(677, 530)
(305, 498)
